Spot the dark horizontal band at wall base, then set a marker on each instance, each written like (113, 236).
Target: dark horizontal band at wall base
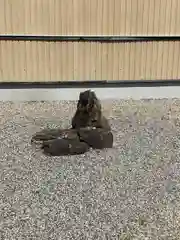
(89, 84)
(88, 38)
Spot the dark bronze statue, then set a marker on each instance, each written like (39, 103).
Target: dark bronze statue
(90, 129)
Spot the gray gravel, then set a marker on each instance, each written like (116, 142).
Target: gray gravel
(128, 192)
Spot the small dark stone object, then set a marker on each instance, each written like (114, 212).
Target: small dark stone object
(88, 112)
(63, 147)
(50, 134)
(89, 129)
(97, 138)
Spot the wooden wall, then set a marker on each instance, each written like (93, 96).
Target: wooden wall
(67, 61)
(90, 17)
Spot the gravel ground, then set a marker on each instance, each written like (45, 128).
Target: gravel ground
(128, 192)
